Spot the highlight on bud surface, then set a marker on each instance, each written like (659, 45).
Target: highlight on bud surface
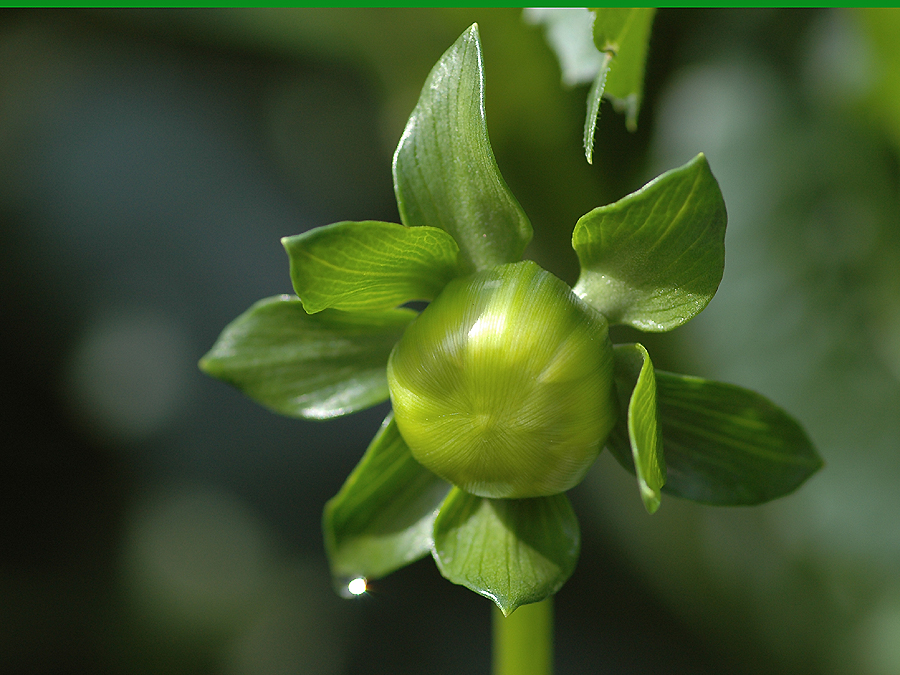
(504, 385)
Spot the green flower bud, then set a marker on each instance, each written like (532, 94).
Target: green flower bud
(503, 386)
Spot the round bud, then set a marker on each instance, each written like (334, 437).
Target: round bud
(503, 386)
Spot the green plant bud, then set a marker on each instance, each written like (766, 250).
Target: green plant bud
(503, 386)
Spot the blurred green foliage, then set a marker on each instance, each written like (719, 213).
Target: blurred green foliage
(105, 541)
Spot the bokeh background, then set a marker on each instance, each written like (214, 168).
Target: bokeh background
(155, 521)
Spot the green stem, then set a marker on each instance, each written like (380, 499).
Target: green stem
(523, 641)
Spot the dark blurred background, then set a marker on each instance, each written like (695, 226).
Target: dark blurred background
(155, 521)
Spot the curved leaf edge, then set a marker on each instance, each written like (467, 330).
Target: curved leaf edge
(364, 388)
(504, 602)
(436, 266)
(675, 484)
(639, 428)
(698, 164)
(387, 447)
(488, 249)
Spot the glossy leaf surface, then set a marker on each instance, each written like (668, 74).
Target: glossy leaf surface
(654, 259)
(513, 551)
(445, 174)
(369, 265)
(307, 365)
(727, 445)
(382, 517)
(636, 441)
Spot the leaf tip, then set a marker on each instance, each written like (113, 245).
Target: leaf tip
(651, 500)
(700, 160)
(288, 243)
(471, 34)
(210, 364)
(505, 605)
(203, 364)
(313, 307)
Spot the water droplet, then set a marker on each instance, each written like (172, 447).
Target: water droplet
(357, 586)
(351, 587)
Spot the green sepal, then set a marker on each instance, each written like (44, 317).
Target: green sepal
(445, 174)
(654, 259)
(513, 551)
(382, 517)
(636, 440)
(728, 446)
(307, 365)
(369, 265)
(725, 445)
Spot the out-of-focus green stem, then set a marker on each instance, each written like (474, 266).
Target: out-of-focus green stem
(523, 641)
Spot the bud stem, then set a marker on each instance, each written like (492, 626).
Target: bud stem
(523, 641)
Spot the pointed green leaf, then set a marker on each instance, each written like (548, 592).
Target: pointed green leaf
(595, 97)
(726, 445)
(654, 259)
(569, 32)
(623, 35)
(513, 551)
(307, 365)
(382, 517)
(445, 174)
(369, 265)
(636, 440)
